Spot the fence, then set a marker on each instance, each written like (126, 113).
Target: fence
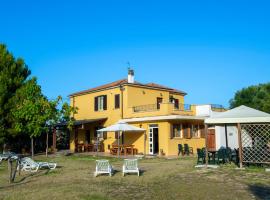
(256, 143)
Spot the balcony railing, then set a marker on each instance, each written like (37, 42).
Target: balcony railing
(183, 107)
(217, 107)
(146, 108)
(155, 107)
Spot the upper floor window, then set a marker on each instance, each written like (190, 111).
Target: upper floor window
(117, 101)
(176, 103)
(101, 103)
(159, 101)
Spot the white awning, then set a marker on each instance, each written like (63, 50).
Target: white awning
(121, 126)
(241, 114)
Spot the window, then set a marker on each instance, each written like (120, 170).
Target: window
(195, 131)
(101, 103)
(177, 130)
(186, 131)
(159, 101)
(176, 103)
(117, 101)
(202, 131)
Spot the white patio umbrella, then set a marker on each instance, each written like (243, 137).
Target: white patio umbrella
(121, 127)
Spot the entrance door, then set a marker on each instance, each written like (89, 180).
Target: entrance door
(153, 139)
(211, 140)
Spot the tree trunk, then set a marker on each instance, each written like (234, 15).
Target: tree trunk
(47, 144)
(32, 146)
(15, 170)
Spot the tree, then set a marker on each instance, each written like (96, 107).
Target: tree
(32, 110)
(13, 73)
(257, 96)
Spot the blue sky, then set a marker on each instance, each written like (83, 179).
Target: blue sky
(209, 49)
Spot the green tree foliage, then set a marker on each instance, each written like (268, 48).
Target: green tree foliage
(23, 108)
(257, 96)
(13, 73)
(31, 109)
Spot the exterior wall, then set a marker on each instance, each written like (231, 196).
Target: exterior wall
(132, 96)
(203, 110)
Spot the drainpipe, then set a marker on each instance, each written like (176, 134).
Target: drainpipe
(122, 101)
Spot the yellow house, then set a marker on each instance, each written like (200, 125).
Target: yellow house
(158, 109)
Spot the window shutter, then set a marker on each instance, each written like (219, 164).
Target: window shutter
(96, 104)
(117, 101)
(105, 102)
(176, 103)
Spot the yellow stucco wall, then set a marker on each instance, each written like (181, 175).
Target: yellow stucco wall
(132, 96)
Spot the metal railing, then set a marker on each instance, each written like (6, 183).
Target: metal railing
(183, 107)
(145, 108)
(217, 107)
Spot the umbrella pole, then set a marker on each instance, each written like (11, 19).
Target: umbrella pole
(118, 151)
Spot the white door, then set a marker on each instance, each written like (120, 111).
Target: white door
(151, 138)
(151, 152)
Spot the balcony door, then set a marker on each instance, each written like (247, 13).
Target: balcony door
(153, 139)
(159, 101)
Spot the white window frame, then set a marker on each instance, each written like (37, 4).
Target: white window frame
(100, 103)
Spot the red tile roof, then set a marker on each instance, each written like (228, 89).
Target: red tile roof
(125, 82)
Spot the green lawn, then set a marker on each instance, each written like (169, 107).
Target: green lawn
(161, 179)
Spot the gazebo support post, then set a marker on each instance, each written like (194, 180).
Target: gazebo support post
(206, 145)
(144, 143)
(226, 135)
(240, 146)
(118, 141)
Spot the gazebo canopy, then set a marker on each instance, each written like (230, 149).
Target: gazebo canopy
(121, 126)
(241, 114)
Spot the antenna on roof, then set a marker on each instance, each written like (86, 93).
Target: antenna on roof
(130, 73)
(128, 64)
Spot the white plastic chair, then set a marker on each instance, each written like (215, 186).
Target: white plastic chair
(103, 167)
(131, 166)
(27, 164)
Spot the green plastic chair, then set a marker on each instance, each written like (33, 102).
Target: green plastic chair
(201, 156)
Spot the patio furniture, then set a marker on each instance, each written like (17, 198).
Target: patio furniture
(103, 167)
(88, 147)
(131, 166)
(201, 156)
(80, 147)
(113, 150)
(124, 149)
(180, 149)
(220, 156)
(122, 127)
(28, 164)
(187, 150)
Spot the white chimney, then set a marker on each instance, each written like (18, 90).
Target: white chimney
(130, 75)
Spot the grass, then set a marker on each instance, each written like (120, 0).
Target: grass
(160, 179)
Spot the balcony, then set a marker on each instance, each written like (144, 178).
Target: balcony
(161, 109)
(146, 108)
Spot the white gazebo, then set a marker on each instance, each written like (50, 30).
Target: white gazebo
(122, 127)
(253, 132)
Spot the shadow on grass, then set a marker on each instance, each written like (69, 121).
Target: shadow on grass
(23, 180)
(260, 191)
